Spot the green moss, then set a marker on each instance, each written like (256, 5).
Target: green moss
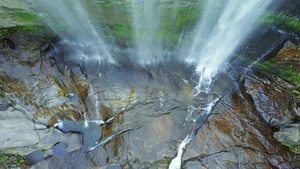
(297, 92)
(121, 30)
(187, 17)
(232, 162)
(290, 75)
(29, 24)
(1, 34)
(107, 4)
(169, 27)
(267, 67)
(293, 148)
(4, 32)
(43, 151)
(27, 17)
(288, 22)
(286, 73)
(293, 23)
(12, 161)
(162, 163)
(3, 159)
(31, 29)
(60, 25)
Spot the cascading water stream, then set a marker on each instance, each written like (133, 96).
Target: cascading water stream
(86, 41)
(223, 26)
(176, 162)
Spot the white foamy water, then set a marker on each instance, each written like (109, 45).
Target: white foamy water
(176, 162)
(220, 33)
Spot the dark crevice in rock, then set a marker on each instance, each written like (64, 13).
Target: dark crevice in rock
(249, 98)
(250, 148)
(242, 88)
(111, 137)
(204, 156)
(273, 52)
(10, 43)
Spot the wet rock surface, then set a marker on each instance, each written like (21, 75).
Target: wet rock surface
(154, 109)
(284, 68)
(272, 102)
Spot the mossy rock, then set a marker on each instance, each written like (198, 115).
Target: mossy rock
(12, 161)
(293, 148)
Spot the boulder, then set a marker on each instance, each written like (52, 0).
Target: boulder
(289, 133)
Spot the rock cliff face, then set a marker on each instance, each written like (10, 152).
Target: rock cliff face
(152, 110)
(22, 101)
(63, 113)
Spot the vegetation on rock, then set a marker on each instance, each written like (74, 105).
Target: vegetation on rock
(12, 161)
(290, 23)
(293, 148)
(285, 73)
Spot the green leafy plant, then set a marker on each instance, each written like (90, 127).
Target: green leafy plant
(21, 161)
(3, 159)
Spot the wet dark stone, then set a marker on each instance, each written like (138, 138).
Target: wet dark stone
(59, 149)
(35, 157)
(273, 104)
(91, 131)
(3, 105)
(45, 47)
(10, 43)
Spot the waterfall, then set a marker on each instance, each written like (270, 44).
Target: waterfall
(84, 39)
(224, 25)
(147, 18)
(146, 22)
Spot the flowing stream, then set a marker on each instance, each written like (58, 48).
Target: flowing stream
(176, 162)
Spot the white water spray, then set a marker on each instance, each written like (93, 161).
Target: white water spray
(223, 26)
(146, 16)
(85, 40)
